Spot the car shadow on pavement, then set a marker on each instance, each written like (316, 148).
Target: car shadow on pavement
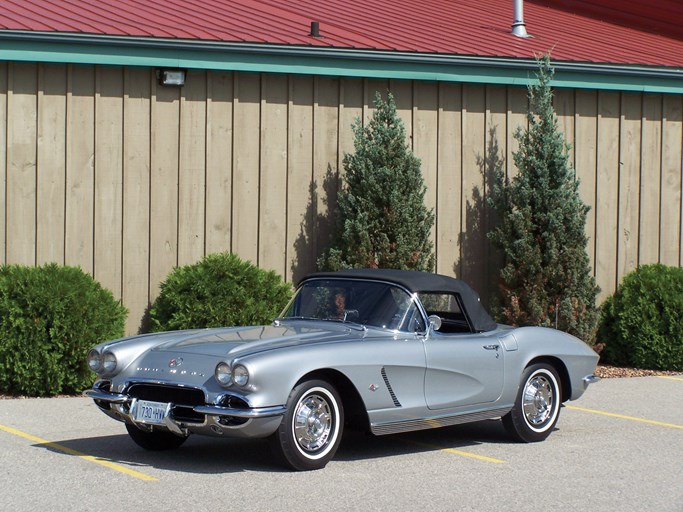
(201, 455)
(208, 455)
(360, 445)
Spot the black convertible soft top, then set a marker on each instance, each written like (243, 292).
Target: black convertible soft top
(423, 282)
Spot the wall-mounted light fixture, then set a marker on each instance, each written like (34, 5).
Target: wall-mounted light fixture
(171, 77)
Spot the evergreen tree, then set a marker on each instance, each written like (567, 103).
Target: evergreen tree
(382, 220)
(546, 278)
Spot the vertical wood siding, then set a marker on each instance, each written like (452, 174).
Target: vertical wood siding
(136, 239)
(102, 168)
(21, 176)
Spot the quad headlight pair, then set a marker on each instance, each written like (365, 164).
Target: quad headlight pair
(102, 362)
(227, 375)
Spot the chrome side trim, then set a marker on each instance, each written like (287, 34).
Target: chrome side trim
(439, 421)
(260, 412)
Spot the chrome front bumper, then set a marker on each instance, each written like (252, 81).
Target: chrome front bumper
(590, 379)
(229, 421)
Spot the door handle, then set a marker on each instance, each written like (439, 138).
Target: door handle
(491, 347)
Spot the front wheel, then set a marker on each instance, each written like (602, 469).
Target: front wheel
(312, 427)
(537, 406)
(155, 440)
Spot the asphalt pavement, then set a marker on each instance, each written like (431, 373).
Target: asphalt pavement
(618, 448)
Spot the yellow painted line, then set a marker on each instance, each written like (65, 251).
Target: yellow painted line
(671, 378)
(455, 452)
(70, 451)
(623, 417)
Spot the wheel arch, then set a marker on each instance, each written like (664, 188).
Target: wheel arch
(355, 413)
(562, 372)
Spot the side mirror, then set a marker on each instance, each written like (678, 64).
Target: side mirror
(434, 322)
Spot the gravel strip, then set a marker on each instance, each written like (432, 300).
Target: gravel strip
(609, 372)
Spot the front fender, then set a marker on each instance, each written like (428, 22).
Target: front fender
(276, 373)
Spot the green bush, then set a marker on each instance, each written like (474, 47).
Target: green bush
(220, 290)
(50, 317)
(642, 323)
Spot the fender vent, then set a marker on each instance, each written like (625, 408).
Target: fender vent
(391, 391)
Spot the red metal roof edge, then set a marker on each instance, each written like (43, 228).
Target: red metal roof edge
(469, 27)
(662, 17)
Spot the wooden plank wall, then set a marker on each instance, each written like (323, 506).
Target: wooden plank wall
(103, 168)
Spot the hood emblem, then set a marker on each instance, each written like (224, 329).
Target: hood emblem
(174, 363)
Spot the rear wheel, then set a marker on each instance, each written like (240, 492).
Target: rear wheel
(537, 407)
(312, 427)
(155, 440)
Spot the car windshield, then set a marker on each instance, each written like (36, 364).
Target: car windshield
(364, 302)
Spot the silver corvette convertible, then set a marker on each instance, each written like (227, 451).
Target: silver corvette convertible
(383, 350)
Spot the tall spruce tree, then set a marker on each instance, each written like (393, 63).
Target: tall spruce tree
(546, 278)
(382, 221)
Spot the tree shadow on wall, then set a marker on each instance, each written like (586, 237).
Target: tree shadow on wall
(317, 227)
(480, 262)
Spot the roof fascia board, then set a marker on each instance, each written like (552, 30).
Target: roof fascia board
(148, 52)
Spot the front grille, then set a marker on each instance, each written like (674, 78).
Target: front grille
(233, 401)
(183, 399)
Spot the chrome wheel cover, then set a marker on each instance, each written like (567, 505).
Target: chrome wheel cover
(538, 401)
(313, 422)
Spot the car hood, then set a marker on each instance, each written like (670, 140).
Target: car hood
(240, 341)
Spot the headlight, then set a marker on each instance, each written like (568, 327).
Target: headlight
(94, 360)
(240, 375)
(223, 374)
(109, 362)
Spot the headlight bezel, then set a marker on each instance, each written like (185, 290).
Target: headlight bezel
(240, 375)
(229, 374)
(95, 360)
(223, 374)
(109, 361)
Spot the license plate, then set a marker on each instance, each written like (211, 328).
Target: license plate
(151, 412)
